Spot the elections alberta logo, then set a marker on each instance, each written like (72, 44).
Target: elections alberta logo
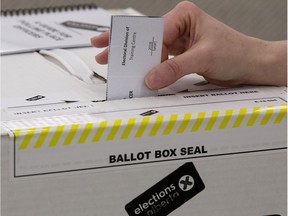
(186, 183)
(168, 194)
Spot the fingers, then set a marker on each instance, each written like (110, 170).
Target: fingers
(102, 58)
(180, 33)
(172, 69)
(179, 22)
(176, 24)
(101, 40)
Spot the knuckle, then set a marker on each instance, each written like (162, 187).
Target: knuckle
(174, 68)
(187, 6)
(188, 9)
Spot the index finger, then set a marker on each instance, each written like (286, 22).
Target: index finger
(180, 21)
(101, 40)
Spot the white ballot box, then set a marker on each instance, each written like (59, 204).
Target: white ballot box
(195, 149)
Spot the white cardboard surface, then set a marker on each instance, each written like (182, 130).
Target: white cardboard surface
(51, 165)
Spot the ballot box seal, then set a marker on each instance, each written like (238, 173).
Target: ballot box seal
(168, 194)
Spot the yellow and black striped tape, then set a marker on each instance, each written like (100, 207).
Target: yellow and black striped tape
(91, 132)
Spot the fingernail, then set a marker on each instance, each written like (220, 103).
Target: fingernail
(152, 80)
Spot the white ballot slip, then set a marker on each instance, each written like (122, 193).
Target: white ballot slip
(135, 48)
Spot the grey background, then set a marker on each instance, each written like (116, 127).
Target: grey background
(266, 19)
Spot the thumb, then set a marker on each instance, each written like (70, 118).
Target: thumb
(170, 71)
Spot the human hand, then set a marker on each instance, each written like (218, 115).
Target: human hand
(203, 45)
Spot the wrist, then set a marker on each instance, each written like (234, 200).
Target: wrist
(267, 63)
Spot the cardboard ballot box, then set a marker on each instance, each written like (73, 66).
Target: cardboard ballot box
(197, 149)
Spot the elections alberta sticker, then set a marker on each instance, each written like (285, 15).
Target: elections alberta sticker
(168, 194)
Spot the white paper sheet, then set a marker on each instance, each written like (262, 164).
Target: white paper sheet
(135, 48)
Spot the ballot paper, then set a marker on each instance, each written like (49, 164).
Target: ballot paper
(134, 49)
